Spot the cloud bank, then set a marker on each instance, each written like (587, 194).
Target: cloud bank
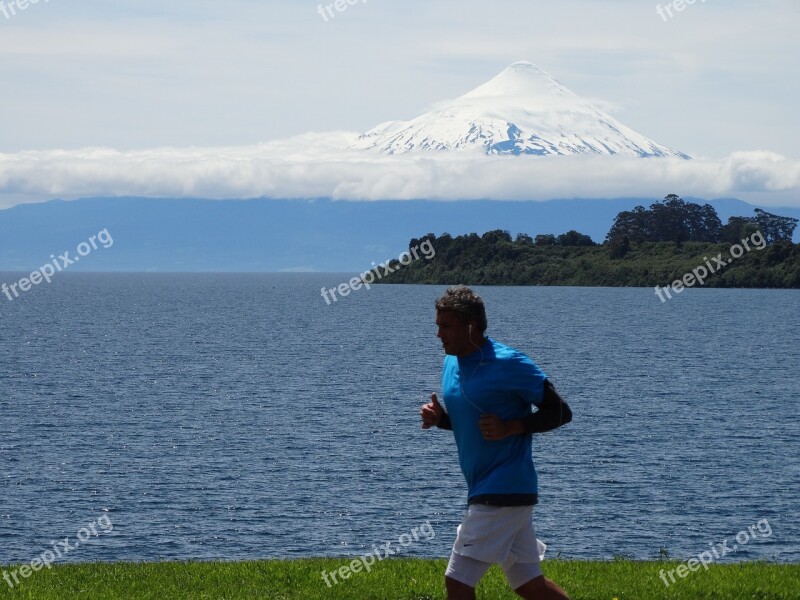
(320, 165)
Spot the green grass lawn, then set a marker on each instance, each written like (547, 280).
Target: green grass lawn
(393, 579)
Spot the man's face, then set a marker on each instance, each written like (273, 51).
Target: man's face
(453, 333)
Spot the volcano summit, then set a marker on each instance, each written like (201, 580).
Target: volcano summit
(523, 110)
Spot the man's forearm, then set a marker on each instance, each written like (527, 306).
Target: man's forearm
(515, 427)
(444, 422)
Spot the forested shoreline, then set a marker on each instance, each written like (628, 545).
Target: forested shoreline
(644, 248)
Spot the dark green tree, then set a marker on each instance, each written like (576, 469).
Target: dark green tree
(737, 229)
(670, 220)
(496, 235)
(619, 247)
(523, 239)
(573, 238)
(775, 228)
(545, 239)
(634, 224)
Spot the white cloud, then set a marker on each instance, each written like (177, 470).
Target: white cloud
(319, 165)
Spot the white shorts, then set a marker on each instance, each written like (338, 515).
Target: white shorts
(496, 534)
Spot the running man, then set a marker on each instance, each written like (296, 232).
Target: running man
(488, 389)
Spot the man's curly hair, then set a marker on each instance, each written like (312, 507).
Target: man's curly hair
(466, 304)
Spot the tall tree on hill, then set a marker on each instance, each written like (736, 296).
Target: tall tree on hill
(775, 228)
(704, 223)
(636, 225)
(737, 229)
(671, 220)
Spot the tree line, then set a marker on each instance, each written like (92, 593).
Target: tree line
(678, 221)
(643, 247)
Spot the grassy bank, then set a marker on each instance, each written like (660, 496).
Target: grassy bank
(408, 579)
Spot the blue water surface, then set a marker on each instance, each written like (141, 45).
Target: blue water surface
(236, 416)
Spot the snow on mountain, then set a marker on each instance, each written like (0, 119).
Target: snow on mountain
(524, 110)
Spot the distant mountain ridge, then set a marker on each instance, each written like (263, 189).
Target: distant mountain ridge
(523, 110)
(283, 235)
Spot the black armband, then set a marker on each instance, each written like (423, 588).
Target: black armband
(444, 422)
(553, 412)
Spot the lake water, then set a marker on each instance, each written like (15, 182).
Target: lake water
(240, 416)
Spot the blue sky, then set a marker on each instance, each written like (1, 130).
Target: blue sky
(716, 79)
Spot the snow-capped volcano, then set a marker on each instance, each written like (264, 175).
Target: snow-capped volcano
(524, 110)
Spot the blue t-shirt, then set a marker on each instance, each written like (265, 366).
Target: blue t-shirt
(497, 380)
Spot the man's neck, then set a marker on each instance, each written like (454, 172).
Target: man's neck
(474, 347)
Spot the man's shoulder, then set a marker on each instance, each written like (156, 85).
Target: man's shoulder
(517, 367)
(514, 360)
(509, 353)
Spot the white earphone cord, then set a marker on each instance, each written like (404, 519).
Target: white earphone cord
(460, 383)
